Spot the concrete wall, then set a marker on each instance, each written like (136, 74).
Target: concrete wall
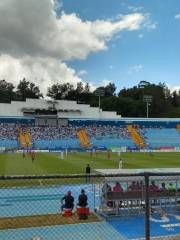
(66, 109)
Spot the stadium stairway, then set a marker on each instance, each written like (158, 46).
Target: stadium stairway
(136, 136)
(83, 138)
(25, 139)
(178, 127)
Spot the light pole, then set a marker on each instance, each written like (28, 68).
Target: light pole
(100, 93)
(147, 109)
(99, 102)
(148, 100)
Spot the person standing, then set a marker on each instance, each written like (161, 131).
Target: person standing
(109, 154)
(24, 154)
(120, 163)
(88, 173)
(62, 155)
(33, 156)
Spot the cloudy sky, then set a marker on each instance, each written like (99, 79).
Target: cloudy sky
(97, 41)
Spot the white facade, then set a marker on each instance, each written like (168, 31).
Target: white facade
(65, 109)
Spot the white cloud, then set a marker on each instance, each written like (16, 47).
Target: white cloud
(35, 42)
(135, 69)
(177, 16)
(105, 82)
(42, 71)
(82, 73)
(173, 88)
(135, 9)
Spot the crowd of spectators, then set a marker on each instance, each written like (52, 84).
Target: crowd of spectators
(10, 131)
(137, 186)
(52, 132)
(101, 131)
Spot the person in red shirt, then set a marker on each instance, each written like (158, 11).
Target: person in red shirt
(153, 187)
(132, 187)
(117, 187)
(33, 156)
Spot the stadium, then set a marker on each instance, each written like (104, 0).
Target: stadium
(45, 148)
(89, 120)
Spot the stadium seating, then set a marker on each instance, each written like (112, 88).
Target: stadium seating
(9, 143)
(162, 137)
(99, 135)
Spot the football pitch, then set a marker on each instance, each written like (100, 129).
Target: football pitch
(51, 163)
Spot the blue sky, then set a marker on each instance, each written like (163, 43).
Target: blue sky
(132, 56)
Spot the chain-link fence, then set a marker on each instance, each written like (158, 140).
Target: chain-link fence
(81, 207)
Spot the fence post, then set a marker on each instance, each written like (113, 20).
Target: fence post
(147, 207)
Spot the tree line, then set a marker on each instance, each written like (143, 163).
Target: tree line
(128, 101)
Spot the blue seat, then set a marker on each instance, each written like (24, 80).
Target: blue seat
(162, 137)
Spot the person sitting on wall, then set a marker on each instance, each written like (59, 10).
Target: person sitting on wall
(106, 189)
(118, 188)
(82, 199)
(153, 187)
(67, 202)
(132, 186)
(82, 209)
(171, 186)
(163, 186)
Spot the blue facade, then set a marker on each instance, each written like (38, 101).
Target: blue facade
(165, 123)
(17, 120)
(156, 122)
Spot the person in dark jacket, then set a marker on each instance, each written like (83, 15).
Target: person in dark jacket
(82, 200)
(67, 202)
(88, 173)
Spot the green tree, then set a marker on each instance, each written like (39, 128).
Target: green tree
(108, 90)
(126, 107)
(175, 99)
(60, 91)
(26, 89)
(161, 97)
(6, 91)
(80, 94)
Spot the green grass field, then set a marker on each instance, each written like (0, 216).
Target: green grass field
(49, 163)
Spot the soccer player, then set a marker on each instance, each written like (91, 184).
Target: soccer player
(120, 163)
(33, 156)
(109, 154)
(62, 155)
(24, 154)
